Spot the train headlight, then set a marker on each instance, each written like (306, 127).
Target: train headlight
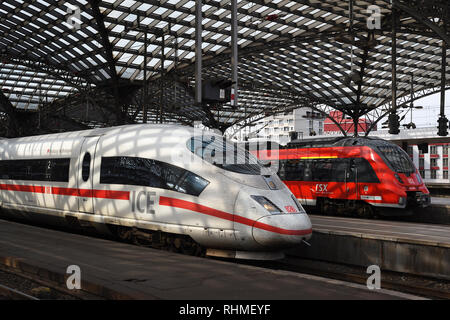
(419, 178)
(267, 204)
(299, 206)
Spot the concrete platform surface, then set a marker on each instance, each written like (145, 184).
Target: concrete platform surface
(440, 201)
(429, 234)
(145, 273)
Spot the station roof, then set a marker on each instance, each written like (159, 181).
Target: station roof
(85, 58)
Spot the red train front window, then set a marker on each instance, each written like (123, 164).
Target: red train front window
(397, 159)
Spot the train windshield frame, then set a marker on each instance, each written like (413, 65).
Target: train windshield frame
(397, 159)
(224, 154)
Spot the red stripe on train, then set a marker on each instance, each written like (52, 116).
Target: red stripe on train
(182, 204)
(85, 193)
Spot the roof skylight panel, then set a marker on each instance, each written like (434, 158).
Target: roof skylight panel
(131, 18)
(114, 14)
(9, 5)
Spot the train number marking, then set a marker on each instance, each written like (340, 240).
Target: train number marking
(321, 187)
(143, 201)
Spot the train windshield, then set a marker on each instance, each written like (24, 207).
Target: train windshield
(224, 154)
(397, 159)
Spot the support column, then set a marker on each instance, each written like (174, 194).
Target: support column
(234, 54)
(163, 47)
(198, 51)
(394, 124)
(443, 122)
(144, 103)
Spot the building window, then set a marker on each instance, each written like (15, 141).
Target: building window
(445, 176)
(410, 150)
(433, 174)
(445, 162)
(445, 150)
(433, 163)
(433, 149)
(421, 163)
(422, 173)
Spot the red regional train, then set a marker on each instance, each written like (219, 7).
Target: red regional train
(360, 176)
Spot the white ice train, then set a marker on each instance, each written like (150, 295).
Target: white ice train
(158, 182)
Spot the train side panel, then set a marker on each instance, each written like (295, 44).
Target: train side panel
(42, 192)
(158, 208)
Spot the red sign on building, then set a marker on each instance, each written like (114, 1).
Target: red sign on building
(346, 123)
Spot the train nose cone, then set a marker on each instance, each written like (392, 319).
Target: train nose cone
(282, 230)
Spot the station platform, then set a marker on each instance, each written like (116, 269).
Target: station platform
(414, 248)
(404, 232)
(440, 201)
(118, 270)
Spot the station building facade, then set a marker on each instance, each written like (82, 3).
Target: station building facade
(278, 128)
(433, 166)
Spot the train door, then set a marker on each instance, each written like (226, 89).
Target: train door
(85, 175)
(352, 180)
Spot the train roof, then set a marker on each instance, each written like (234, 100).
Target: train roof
(110, 130)
(338, 142)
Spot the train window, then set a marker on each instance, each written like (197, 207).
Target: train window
(86, 166)
(327, 170)
(365, 172)
(397, 159)
(150, 173)
(56, 170)
(322, 170)
(292, 170)
(340, 170)
(224, 154)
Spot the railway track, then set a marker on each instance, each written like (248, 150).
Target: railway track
(13, 294)
(420, 286)
(20, 285)
(429, 288)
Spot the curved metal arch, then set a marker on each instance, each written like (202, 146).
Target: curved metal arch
(432, 91)
(421, 19)
(77, 81)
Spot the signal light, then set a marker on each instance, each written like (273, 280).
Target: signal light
(442, 126)
(394, 123)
